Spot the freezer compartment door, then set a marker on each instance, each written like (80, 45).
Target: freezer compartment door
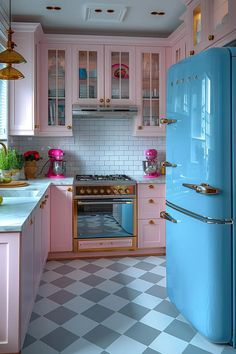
(199, 274)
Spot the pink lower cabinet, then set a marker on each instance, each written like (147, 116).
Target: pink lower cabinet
(9, 292)
(151, 201)
(61, 218)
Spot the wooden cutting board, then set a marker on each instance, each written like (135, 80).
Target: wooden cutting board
(14, 184)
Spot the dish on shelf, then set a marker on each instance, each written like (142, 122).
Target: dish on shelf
(120, 71)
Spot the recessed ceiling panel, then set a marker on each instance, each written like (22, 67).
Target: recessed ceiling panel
(112, 13)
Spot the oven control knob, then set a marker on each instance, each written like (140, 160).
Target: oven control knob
(89, 190)
(108, 191)
(95, 191)
(102, 191)
(127, 191)
(82, 191)
(121, 191)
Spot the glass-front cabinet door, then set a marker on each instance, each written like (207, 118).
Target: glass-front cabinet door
(119, 75)
(88, 72)
(150, 91)
(55, 91)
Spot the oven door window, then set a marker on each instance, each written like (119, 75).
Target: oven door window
(105, 218)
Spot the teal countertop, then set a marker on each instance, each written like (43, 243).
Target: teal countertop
(18, 203)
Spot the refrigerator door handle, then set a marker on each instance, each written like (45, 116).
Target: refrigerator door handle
(205, 219)
(167, 216)
(168, 164)
(167, 121)
(202, 188)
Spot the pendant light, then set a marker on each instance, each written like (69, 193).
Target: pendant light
(10, 56)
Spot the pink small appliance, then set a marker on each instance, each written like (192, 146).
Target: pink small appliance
(56, 164)
(150, 165)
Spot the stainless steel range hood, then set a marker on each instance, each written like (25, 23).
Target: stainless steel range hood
(93, 111)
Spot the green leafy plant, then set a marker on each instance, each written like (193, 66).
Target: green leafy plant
(11, 160)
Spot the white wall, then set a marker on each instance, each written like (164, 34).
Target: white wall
(99, 146)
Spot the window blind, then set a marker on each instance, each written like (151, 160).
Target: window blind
(3, 105)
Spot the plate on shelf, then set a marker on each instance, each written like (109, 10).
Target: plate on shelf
(120, 70)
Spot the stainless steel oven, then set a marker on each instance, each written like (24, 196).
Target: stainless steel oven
(105, 215)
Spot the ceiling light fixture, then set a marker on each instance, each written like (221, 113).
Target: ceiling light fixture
(10, 56)
(57, 8)
(157, 13)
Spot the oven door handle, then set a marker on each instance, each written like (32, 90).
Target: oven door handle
(103, 202)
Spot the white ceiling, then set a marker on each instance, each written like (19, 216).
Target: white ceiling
(71, 19)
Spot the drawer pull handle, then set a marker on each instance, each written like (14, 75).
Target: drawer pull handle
(31, 221)
(69, 127)
(151, 201)
(46, 196)
(69, 189)
(151, 186)
(211, 37)
(151, 222)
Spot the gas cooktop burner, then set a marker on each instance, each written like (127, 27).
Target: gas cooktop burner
(103, 178)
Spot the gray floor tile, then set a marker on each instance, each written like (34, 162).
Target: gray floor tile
(168, 308)
(102, 336)
(91, 268)
(38, 298)
(151, 277)
(134, 311)
(122, 279)
(128, 293)
(145, 265)
(59, 339)
(95, 295)
(64, 269)
(158, 291)
(151, 351)
(34, 316)
(163, 264)
(142, 333)
(63, 282)
(191, 349)
(181, 330)
(118, 267)
(28, 340)
(92, 280)
(229, 350)
(97, 313)
(60, 315)
(61, 297)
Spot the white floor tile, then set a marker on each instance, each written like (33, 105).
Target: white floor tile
(167, 344)
(157, 320)
(82, 346)
(113, 302)
(203, 343)
(134, 272)
(159, 270)
(126, 345)
(53, 264)
(119, 322)
(147, 300)
(44, 306)
(80, 325)
(140, 285)
(50, 276)
(40, 327)
(47, 289)
(78, 304)
(78, 288)
(38, 347)
(78, 274)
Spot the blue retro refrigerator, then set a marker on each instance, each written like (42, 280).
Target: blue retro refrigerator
(201, 198)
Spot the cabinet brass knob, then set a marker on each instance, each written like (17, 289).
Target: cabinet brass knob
(101, 100)
(46, 196)
(140, 127)
(36, 126)
(69, 189)
(151, 222)
(192, 52)
(151, 201)
(151, 186)
(69, 127)
(211, 37)
(108, 100)
(31, 221)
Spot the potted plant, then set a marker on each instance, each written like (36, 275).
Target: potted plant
(17, 163)
(11, 163)
(31, 157)
(4, 164)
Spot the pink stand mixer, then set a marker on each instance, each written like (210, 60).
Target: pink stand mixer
(150, 166)
(56, 164)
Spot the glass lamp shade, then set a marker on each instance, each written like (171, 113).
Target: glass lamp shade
(10, 56)
(10, 73)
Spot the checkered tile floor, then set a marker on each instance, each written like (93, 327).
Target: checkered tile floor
(110, 306)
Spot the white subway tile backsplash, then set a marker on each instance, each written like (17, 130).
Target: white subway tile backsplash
(99, 146)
